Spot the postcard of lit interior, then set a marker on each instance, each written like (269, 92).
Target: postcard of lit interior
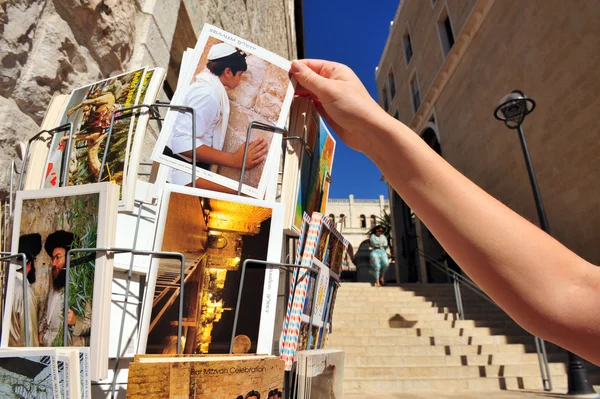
(90, 109)
(229, 82)
(320, 373)
(29, 374)
(314, 182)
(216, 232)
(47, 224)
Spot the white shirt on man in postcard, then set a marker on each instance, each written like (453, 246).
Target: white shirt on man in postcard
(53, 321)
(208, 97)
(17, 319)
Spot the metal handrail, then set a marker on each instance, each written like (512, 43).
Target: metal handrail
(457, 279)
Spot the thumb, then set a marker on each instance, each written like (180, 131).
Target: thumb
(308, 78)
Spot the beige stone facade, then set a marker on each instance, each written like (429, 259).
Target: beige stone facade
(546, 48)
(355, 217)
(53, 46)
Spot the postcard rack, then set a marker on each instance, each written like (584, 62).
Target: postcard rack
(41, 137)
(154, 114)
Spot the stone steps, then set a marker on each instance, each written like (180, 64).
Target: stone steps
(396, 322)
(392, 309)
(460, 371)
(442, 350)
(342, 342)
(407, 339)
(429, 332)
(444, 385)
(401, 306)
(403, 298)
(377, 316)
(499, 359)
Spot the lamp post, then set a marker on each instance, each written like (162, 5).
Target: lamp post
(512, 110)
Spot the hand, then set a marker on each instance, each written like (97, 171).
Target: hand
(256, 153)
(71, 318)
(340, 98)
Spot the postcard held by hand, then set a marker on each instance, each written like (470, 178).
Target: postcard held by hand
(228, 82)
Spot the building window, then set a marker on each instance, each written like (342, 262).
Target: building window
(373, 221)
(407, 44)
(363, 222)
(392, 84)
(332, 218)
(415, 94)
(384, 96)
(342, 220)
(446, 33)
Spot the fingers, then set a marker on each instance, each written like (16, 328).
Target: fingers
(303, 92)
(321, 67)
(308, 78)
(257, 150)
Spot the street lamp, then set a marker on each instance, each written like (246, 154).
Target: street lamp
(512, 110)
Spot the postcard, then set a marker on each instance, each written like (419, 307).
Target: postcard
(229, 82)
(222, 377)
(47, 224)
(38, 149)
(90, 109)
(294, 280)
(216, 232)
(125, 310)
(311, 293)
(70, 380)
(29, 374)
(85, 373)
(320, 373)
(136, 230)
(313, 186)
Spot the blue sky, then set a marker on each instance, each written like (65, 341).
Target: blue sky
(354, 33)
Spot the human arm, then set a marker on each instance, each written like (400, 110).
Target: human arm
(373, 240)
(542, 285)
(384, 241)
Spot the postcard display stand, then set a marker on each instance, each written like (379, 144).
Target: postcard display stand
(153, 110)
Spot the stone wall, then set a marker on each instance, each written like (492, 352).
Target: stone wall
(49, 47)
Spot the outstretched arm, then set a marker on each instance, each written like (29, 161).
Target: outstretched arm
(546, 288)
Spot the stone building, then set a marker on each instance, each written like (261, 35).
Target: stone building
(445, 66)
(53, 46)
(355, 217)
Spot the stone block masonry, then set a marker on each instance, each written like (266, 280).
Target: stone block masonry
(50, 47)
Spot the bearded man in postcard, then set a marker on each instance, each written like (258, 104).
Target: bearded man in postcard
(57, 245)
(208, 97)
(30, 245)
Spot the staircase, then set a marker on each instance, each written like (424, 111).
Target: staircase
(410, 339)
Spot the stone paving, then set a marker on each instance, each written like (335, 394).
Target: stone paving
(473, 395)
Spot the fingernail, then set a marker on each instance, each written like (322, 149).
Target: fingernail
(296, 67)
